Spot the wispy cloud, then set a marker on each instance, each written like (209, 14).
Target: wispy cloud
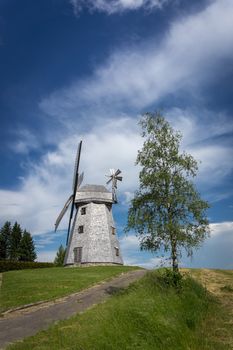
(115, 6)
(23, 141)
(191, 50)
(46, 256)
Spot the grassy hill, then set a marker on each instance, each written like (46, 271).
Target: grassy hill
(30, 286)
(150, 314)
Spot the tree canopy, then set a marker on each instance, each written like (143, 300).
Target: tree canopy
(16, 244)
(5, 234)
(167, 211)
(26, 248)
(59, 259)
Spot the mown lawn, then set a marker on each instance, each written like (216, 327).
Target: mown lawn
(29, 286)
(149, 315)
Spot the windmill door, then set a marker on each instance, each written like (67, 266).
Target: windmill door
(78, 255)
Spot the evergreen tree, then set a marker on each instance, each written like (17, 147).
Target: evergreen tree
(15, 239)
(26, 248)
(167, 211)
(5, 235)
(59, 259)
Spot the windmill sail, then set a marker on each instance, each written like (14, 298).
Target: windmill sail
(62, 213)
(75, 185)
(77, 180)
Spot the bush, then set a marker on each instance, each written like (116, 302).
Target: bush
(7, 265)
(169, 278)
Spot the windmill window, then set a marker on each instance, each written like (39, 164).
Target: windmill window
(113, 230)
(77, 254)
(81, 229)
(83, 211)
(117, 251)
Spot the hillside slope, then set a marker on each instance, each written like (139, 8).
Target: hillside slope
(30, 286)
(150, 314)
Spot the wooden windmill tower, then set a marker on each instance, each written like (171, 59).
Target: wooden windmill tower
(92, 239)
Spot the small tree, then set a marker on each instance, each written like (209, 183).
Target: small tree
(167, 211)
(5, 235)
(59, 259)
(26, 248)
(14, 243)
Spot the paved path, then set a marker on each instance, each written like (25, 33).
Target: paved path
(26, 322)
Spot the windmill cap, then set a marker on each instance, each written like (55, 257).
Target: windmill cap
(93, 188)
(93, 193)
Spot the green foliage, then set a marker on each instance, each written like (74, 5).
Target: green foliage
(8, 265)
(16, 245)
(170, 278)
(167, 211)
(5, 234)
(59, 259)
(26, 248)
(147, 316)
(15, 238)
(29, 286)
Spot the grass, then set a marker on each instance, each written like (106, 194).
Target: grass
(29, 286)
(148, 315)
(227, 288)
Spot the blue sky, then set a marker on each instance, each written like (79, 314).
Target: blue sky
(72, 70)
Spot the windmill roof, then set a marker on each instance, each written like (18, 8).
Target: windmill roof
(93, 188)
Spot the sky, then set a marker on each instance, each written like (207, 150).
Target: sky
(88, 69)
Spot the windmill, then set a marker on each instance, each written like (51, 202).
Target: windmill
(114, 177)
(77, 180)
(92, 239)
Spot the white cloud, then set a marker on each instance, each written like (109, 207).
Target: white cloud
(46, 256)
(216, 251)
(110, 144)
(218, 229)
(23, 141)
(115, 6)
(43, 191)
(188, 55)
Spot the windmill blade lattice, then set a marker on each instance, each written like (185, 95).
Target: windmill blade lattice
(114, 178)
(62, 213)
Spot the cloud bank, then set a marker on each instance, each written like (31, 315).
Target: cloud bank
(210, 255)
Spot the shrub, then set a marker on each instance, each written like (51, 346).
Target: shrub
(7, 265)
(170, 278)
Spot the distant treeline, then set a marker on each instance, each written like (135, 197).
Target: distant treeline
(16, 244)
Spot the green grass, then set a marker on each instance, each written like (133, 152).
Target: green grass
(29, 286)
(149, 315)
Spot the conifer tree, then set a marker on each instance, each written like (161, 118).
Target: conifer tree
(5, 235)
(59, 259)
(167, 211)
(26, 248)
(15, 239)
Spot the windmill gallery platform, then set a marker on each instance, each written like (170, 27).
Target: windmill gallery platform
(93, 239)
